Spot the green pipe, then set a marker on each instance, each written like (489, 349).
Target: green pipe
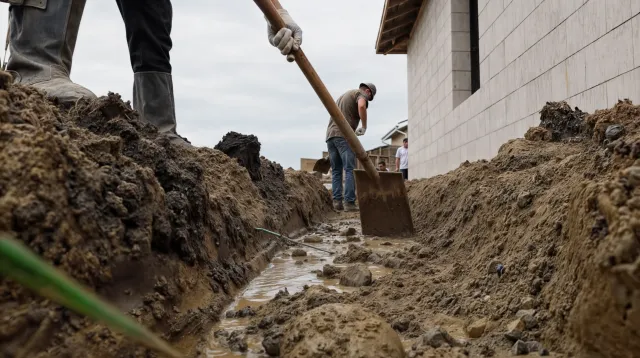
(293, 242)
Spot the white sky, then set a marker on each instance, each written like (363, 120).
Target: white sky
(227, 77)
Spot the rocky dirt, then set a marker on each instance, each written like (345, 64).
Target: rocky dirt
(164, 232)
(535, 251)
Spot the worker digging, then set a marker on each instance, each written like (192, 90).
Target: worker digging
(121, 238)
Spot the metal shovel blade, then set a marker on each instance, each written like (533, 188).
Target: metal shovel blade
(384, 210)
(322, 165)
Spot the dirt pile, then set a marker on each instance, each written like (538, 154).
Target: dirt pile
(164, 232)
(535, 250)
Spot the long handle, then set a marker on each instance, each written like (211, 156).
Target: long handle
(276, 21)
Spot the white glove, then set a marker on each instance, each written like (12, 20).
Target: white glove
(288, 39)
(361, 131)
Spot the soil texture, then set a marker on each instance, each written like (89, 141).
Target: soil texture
(535, 251)
(164, 232)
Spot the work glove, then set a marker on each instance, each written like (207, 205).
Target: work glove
(360, 131)
(288, 38)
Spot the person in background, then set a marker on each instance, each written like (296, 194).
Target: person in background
(43, 33)
(353, 104)
(402, 159)
(382, 166)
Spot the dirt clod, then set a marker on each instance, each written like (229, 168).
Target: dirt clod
(356, 276)
(476, 329)
(245, 149)
(354, 254)
(330, 271)
(298, 253)
(313, 239)
(520, 348)
(329, 326)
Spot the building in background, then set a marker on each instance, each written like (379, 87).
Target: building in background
(306, 164)
(399, 132)
(479, 71)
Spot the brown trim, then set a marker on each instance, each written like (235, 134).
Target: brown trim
(415, 25)
(397, 24)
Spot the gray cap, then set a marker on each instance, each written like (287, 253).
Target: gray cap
(372, 87)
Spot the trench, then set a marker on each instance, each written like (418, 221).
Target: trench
(292, 274)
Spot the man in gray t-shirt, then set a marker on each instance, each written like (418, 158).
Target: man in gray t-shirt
(353, 104)
(402, 159)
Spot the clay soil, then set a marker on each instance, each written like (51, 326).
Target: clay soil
(164, 232)
(543, 237)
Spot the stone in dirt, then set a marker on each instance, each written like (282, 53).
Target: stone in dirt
(519, 348)
(298, 253)
(527, 316)
(355, 276)
(515, 329)
(245, 312)
(299, 262)
(476, 329)
(313, 239)
(271, 342)
(245, 149)
(353, 239)
(330, 271)
(237, 341)
(348, 232)
(386, 243)
(354, 253)
(526, 304)
(438, 337)
(349, 330)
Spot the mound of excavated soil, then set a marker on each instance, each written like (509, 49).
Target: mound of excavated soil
(164, 232)
(539, 245)
(337, 330)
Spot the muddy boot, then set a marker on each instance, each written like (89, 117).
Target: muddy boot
(153, 99)
(337, 205)
(351, 207)
(42, 38)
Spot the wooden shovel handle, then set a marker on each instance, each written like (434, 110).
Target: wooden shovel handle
(276, 21)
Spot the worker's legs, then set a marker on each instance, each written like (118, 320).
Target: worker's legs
(148, 29)
(336, 172)
(405, 174)
(348, 160)
(349, 163)
(43, 38)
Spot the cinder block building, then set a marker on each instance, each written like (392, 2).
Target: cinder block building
(479, 71)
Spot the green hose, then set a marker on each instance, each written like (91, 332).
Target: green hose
(20, 264)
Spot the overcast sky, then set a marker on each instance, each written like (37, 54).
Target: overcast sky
(227, 77)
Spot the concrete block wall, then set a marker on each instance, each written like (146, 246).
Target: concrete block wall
(531, 51)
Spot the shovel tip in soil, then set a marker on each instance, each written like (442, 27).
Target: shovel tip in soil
(384, 209)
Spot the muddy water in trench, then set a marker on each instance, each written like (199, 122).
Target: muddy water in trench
(283, 272)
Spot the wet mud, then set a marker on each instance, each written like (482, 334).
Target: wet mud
(534, 252)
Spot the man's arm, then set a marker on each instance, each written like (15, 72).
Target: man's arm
(398, 159)
(276, 3)
(362, 110)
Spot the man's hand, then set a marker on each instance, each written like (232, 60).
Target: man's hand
(361, 131)
(288, 39)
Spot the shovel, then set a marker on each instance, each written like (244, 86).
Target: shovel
(382, 196)
(322, 165)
